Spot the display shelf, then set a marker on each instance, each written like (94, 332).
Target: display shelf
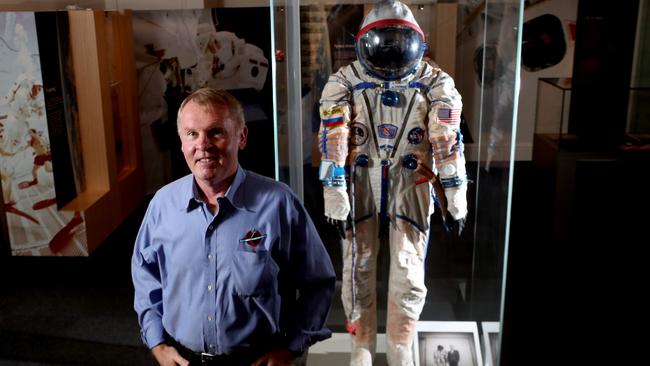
(103, 42)
(130, 173)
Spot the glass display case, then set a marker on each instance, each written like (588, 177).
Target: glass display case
(553, 100)
(477, 44)
(553, 110)
(579, 130)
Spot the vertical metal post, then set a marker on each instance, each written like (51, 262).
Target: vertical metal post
(294, 97)
(274, 82)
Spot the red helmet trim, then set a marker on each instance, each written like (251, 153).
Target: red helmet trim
(385, 22)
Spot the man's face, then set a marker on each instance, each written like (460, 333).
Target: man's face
(210, 141)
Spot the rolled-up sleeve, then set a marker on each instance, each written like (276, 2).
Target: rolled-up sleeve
(145, 272)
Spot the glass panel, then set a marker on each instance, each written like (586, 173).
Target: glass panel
(494, 166)
(476, 44)
(638, 126)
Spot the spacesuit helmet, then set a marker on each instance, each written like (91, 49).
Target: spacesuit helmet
(390, 44)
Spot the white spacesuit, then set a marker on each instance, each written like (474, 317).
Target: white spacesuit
(382, 117)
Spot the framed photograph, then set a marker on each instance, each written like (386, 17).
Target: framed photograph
(490, 333)
(447, 344)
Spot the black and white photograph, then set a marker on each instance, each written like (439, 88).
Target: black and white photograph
(490, 334)
(447, 344)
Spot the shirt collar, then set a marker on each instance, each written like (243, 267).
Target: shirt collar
(237, 200)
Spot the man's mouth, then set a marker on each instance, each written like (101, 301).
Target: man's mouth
(208, 160)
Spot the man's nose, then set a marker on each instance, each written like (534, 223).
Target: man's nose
(203, 142)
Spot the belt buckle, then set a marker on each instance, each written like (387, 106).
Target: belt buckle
(207, 358)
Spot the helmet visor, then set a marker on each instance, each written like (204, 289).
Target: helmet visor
(390, 52)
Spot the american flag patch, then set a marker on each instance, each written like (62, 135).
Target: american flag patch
(449, 116)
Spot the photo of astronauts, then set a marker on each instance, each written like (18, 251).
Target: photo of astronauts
(180, 51)
(392, 120)
(36, 227)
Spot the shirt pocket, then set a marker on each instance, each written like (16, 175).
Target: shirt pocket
(254, 273)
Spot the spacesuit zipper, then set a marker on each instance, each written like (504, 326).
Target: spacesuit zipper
(354, 238)
(383, 211)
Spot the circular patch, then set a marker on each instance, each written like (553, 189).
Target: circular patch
(449, 170)
(358, 134)
(415, 136)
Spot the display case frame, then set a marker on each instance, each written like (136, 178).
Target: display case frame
(490, 335)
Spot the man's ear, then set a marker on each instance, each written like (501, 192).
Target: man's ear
(243, 137)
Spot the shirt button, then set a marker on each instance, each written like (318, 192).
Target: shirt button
(210, 227)
(211, 346)
(209, 287)
(209, 318)
(210, 256)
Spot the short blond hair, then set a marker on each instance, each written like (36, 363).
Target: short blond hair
(215, 100)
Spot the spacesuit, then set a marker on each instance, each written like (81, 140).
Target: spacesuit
(382, 118)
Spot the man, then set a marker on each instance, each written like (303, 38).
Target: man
(227, 267)
(386, 120)
(440, 356)
(453, 357)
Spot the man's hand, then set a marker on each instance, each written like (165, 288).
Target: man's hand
(168, 356)
(277, 357)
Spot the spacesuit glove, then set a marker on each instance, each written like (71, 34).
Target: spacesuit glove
(457, 201)
(340, 225)
(337, 203)
(454, 225)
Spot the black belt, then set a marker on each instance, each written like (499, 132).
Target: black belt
(237, 358)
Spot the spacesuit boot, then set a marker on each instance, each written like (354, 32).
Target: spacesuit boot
(364, 341)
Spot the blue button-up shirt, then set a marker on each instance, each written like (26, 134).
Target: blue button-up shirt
(255, 272)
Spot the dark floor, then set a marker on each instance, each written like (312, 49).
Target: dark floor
(78, 311)
(72, 311)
